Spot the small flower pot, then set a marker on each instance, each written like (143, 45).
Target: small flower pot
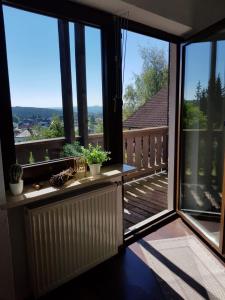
(16, 188)
(95, 169)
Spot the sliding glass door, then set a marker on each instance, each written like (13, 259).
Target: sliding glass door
(203, 137)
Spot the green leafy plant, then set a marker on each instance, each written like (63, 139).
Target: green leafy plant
(73, 149)
(15, 173)
(95, 154)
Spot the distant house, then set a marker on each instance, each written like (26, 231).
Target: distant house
(23, 136)
(153, 113)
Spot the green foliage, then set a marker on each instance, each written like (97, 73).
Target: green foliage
(95, 154)
(16, 119)
(193, 117)
(153, 77)
(56, 129)
(31, 158)
(29, 112)
(46, 157)
(211, 102)
(73, 149)
(99, 126)
(15, 173)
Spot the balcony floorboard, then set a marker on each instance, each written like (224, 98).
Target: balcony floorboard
(144, 198)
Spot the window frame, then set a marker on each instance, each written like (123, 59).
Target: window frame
(110, 48)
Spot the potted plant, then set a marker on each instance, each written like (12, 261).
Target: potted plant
(95, 156)
(15, 179)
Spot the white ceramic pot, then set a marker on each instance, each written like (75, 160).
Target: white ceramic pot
(16, 188)
(95, 169)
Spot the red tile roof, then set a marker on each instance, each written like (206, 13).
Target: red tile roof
(153, 113)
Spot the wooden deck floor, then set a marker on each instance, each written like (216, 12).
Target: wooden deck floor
(144, 198)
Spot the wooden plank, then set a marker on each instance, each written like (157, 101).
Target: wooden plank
(152, 201)
(165, 149)
(158, 149)
(152, 152)
(127, 224)
(145, 131)
(66, 80)
(80, 59)
(130, 151)
(124, 151)
(145, 151)
(133, 218)
(151, 207)
(136, 209)
(138, 152)
(139, 200)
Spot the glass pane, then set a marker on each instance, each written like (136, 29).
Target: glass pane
(145, 126)
(73, 73)
(94, 84)
(35, 84)
(203, 136)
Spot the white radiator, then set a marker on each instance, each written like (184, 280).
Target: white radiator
(68, 237)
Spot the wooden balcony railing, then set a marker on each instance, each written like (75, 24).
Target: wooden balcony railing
(144, 148)
(203, 155)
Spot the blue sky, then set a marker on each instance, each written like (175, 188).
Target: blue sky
(197, 67)
(33, 59)
(34, 68)
(133, 63)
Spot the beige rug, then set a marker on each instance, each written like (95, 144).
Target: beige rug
(187, 267)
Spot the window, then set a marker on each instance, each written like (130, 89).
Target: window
(203, 137)
(94, 80)
(35, 84)
(33, 48)
(145, 124)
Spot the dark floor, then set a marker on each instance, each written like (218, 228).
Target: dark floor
(128, 276)
(144, 198)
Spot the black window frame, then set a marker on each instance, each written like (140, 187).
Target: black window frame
(111, 69)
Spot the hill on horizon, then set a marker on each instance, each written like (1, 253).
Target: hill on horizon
(29, 112)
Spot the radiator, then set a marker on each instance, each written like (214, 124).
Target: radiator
(68, 237)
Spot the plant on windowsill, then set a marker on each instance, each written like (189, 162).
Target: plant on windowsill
(95, 157)
(71, 150)
(15, 179)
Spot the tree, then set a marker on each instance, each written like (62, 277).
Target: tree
(153, 77)
(99, 126)
(198, 91)
(193, 117)
(91, 123)
(218, 104)
(16, 119)
(131, 101)
(56, 129)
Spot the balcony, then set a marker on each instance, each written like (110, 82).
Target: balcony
(145, 191)
(146, 149)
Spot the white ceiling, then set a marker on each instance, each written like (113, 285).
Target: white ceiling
(179, 17)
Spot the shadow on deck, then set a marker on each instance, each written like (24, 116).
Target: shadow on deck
(144, 197)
